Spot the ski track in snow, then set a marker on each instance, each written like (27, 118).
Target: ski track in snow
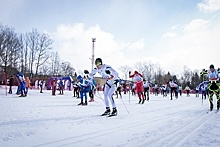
(177, 135)
(113, 130)
(158, 123)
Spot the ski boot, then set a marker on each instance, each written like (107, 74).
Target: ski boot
(143, 101)
(85, 104)
(91, 100)
(107, 111)
(114, 112)
(81, 103)
(139, 101)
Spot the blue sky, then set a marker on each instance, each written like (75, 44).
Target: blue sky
(171, 33)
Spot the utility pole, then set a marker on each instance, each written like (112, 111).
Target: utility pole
(93, 51)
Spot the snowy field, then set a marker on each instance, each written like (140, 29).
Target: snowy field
(43, 120)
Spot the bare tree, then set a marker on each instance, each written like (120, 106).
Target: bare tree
(55, 63)
(167, 76)
(33, 44)
(3, 45)
(67, 69)
(25, 55)
(195, 79)
(139, 66)
(187, 74)
(42, 54)
(45, 69)
(9, 46)
(159, 75)
(125, 69)
(149, 69)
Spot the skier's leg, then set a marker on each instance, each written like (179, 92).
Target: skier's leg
(22, 89)
(85, 94)
(218, 99)
(110, 96)
(143, 99)
(171, 93)
(91, 95)
(139, 96)
(74, 92)
(145, 90)
(106, 90)
(218, 95)
(9, 89)
(116, 92)
(211, 99)
(148, 95)
(81, 97)
(120, 93)
(26, 90)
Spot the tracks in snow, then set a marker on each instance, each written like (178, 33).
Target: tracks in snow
(175, 136)
(179, 135)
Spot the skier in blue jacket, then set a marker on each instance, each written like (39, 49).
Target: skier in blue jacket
(22, 82)
(85, 87)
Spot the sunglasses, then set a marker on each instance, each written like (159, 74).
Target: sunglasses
(98, 63)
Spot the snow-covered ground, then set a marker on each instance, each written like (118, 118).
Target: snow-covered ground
(43, 120)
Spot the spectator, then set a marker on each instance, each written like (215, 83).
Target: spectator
(11, 82)
(28, 85)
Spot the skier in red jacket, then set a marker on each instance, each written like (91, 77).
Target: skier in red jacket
(139, 89)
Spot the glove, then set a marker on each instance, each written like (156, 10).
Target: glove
(86, 72)
(116, 81)
(107, 71)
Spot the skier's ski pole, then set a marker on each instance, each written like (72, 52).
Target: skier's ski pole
(125, 106)
(100, 97)
(202, 83)
(95, 88)
(129, 92)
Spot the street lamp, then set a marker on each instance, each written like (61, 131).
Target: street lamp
(93, 51)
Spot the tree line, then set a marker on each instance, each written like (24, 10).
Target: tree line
(30, 53)
(153, 73)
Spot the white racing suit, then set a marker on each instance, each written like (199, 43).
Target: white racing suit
(112, 82)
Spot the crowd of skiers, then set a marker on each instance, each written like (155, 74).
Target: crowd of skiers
(87, 86)
(24, 84)
(141, 87)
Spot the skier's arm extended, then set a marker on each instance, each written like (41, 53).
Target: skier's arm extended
(91, 74)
